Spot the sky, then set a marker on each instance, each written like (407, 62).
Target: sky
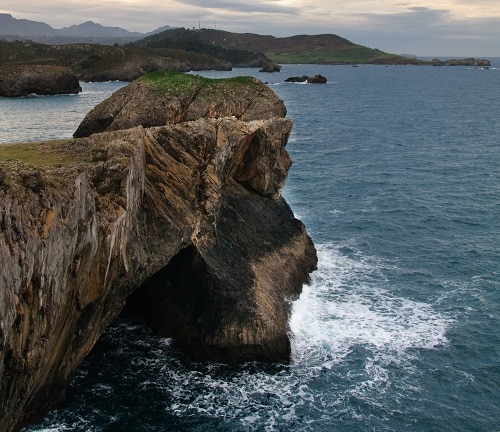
(445, 28)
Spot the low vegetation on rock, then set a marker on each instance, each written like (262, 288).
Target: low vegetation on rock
(183, 49)
(183, 222)
(23, 80)
(91, 62)
(162, 98)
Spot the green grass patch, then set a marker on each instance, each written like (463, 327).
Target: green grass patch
(354, 55)
(169, 80)
(47, 153)
(179, 82)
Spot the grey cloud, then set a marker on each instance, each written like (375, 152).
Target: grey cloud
(242, 6)
(414, 18)
(427, 31)
(417, 30)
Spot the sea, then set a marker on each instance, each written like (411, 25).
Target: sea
(396, 175)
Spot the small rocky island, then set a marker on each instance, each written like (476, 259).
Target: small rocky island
(23, 80)
(461, 62)
(315, 79)
(174, 212)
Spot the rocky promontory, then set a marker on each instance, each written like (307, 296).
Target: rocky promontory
(183, 223)
(162, 98)
(23, 80)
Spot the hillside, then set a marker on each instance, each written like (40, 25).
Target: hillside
(239, 49)
(92, 62)
(319, 49)
(216, 43)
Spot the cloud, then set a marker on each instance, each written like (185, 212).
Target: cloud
(427, 28)
(427, 31)
(415, 18)
(227, 6)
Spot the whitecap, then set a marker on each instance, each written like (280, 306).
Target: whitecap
(349, 306)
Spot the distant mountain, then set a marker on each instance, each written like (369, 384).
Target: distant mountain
(12, 26)
(89, 32)
(159, 30)
(96, 30)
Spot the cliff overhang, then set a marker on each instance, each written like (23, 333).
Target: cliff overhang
(184, 223)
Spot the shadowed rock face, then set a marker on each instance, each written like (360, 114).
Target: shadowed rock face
(37, 79)
(184, 224)
(188, 216)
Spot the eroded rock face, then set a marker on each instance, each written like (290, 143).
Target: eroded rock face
(188, 217)
(37, 79)
(170, 97)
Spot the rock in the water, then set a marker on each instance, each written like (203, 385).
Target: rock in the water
(461, 62)
(37, 79)
(316, 79)
(270, 67)
(185, 221)
(162, 98)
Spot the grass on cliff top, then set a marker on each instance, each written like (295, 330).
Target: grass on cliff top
(351, 55)
(47, 153)
(167, 81)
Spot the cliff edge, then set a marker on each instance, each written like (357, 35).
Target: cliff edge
(23, 80)
(162, 98)
(182, 223)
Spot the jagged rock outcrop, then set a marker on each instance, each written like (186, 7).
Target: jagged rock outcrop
(185, 223)
(37, 79)
(164, 98)
(316, 79)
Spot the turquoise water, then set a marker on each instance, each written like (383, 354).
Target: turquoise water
(397, 177)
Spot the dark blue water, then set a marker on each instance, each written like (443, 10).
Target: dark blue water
(397, 177)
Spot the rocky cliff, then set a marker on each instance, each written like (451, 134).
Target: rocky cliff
(162, 98)
(37, 79)
(183, 223)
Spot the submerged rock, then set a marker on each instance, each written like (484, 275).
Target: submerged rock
(37, 79)
(184, 223)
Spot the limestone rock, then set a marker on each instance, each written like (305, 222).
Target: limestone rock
(316, 79)
(185, 223)
(164, 98)
(37, 79)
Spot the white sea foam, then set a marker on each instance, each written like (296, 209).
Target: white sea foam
(348, 305)
(345, 309)
(354, 342)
